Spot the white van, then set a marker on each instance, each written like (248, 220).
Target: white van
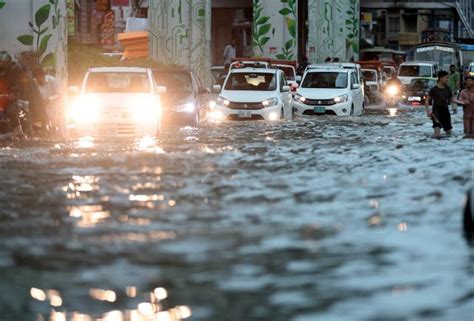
(416, 69)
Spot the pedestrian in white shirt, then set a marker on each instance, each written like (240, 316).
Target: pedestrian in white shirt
(229, 52)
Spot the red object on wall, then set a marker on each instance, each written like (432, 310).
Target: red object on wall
(107, 30)
(122, 3)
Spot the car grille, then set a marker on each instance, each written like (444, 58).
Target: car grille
(252, 106)
(319, 102)
(312, 113)
(254, 117)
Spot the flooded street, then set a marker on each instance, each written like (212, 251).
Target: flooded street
(314, 219)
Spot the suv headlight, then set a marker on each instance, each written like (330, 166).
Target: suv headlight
(222, 101)
(300, 98)
(341, 99)
(270, 102)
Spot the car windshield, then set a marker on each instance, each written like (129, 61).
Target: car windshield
(173, 80)
(289, 72)
(117, 82)
(415, 71)
(369, 75)
(325, 80)
(251, 81)
(421, 84)
(388, 71)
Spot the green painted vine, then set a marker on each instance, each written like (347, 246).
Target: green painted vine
(261, 27)
(2, 4)
(290, 14)
(40, 38)
(352, 26)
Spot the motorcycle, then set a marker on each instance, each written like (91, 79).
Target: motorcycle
(392, 96)
(6, 129)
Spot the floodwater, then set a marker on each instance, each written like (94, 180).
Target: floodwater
(313, 219)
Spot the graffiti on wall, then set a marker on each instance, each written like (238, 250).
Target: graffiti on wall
(180, 34)
(107, 29)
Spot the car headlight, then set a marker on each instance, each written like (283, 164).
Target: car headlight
(300, 98)
(222, 101)
(392, 90)
(84, 110)
(188, 108)
(341, 99)
(270, 102)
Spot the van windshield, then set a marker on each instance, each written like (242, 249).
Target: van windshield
(117, 82)
(415, 71)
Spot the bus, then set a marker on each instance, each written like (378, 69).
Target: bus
(444, 54)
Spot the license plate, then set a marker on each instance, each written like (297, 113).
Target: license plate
(107, 131)
(245, 114)
(320, 110)
(414, 98)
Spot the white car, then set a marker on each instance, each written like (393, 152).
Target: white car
(329, 91)
(116, 102)
(416, 69)
(253, 94)
(291, 76)
(342, 65)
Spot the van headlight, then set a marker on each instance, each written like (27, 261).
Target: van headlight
(84, 110)
(270, 102)
(222, 101)
(146, 111)
(300, 98)
(341, 99)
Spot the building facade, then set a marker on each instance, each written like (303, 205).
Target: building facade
(194, 33)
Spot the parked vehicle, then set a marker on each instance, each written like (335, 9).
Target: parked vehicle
(116, 102)
(373, 85)
(186, 99)
(415, 93)
(330, 91)
(415, 69)
(253, 94)
(290, 73)
(384, 55)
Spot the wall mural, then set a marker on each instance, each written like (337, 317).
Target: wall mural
(275, 29)
(336, 29)
(43, 36)
(180, 33)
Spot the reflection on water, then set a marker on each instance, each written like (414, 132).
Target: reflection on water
(152, 310)
(88, 215)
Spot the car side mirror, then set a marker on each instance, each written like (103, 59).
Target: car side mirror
(285, 88)
(73, 91)
(355, 86)
(161, 90)
(216, 88)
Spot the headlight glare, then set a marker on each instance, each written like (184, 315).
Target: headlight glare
(341, 99)
(270, 102)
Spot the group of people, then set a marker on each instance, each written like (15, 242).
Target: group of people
(29, 91)
(446, 91)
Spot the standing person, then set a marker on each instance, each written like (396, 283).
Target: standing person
(454, 83)
(441, 96)
(229, 52)
(467, 97)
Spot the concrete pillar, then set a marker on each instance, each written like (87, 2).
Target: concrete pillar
(180, 32)
(334, 27)
(275, 29)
